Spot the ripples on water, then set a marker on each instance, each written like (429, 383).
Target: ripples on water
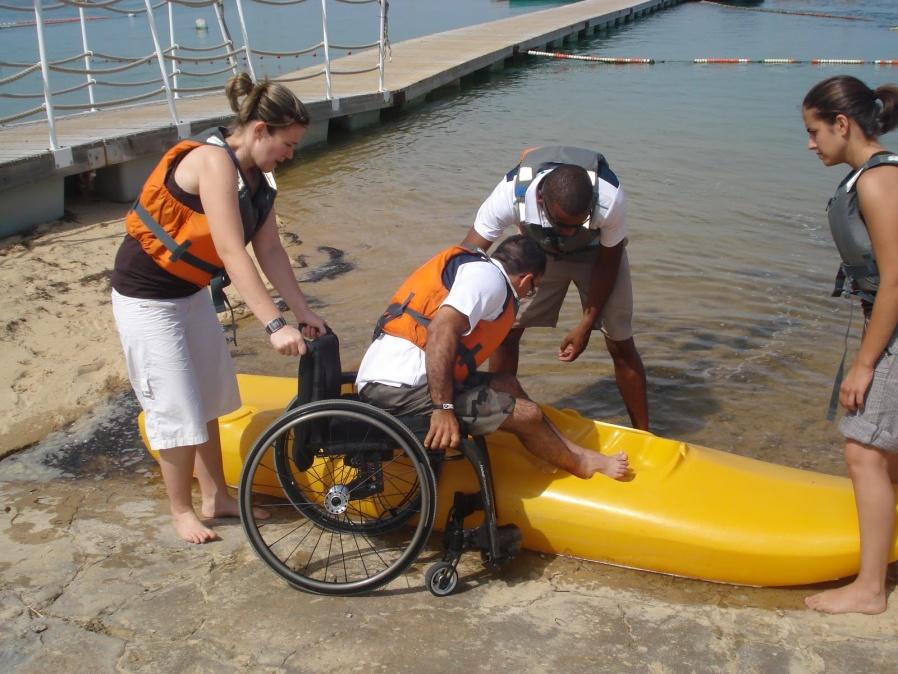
(732, 261)
(731, 257)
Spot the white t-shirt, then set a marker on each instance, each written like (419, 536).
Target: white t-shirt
(479, 292)
(499, 211)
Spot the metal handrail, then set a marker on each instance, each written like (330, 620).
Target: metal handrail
(169, 79)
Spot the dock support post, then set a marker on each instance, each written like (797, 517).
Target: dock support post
(31, 204)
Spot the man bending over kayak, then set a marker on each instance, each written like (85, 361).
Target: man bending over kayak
(447, 318)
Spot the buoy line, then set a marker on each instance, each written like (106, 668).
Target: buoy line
(792, 12)
(612, 60)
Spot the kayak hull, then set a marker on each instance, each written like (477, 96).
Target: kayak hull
(686, 510)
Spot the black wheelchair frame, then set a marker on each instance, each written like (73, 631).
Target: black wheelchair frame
(350, 491)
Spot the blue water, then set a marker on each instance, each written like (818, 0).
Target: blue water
(269, 28)
(732, 261)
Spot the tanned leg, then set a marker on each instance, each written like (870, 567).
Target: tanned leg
(875, 499)
(629, 373)
(543, 440)
(217, 500)
(177, 473)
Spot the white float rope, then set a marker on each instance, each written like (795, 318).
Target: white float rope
(724, 61)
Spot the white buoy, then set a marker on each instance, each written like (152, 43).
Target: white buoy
(200, 24)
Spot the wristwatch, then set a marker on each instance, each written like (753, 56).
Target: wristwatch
(275, 324)
(443, 406)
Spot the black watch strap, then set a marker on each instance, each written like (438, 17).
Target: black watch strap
(443, 406)
(275, 324)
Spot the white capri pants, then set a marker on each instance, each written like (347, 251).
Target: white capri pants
(178, 364)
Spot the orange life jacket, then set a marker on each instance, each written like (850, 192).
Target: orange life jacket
(177, 237)
(418, 298)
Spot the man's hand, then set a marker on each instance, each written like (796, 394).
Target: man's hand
(573, 344)
(443, 432)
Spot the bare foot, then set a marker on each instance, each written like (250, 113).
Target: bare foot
(189, 528)
(848, 599)
(615, 467)
(226, 506)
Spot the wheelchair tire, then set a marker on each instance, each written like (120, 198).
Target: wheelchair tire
(441, 579)
(356, 518)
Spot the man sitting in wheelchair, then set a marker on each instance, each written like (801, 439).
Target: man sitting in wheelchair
(446, 319)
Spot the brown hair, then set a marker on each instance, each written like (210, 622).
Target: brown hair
(874, 110)
(266, 101)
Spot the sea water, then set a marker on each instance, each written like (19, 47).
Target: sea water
(272, 28)
(731, 258)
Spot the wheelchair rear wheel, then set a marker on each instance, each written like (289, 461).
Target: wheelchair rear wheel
(350, 511)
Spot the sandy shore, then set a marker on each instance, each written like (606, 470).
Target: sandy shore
(60, 350)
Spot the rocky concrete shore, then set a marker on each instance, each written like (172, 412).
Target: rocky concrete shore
(92, 579)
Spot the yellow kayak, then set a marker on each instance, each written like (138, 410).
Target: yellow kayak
(687, 510)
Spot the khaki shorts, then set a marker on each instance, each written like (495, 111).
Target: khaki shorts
(541, 310)
(876, 424)
(481, 408)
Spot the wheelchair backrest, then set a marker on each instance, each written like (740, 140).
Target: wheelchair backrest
(319, 378)
(319, 370)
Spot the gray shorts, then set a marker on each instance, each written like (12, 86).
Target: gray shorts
(480, 407)
(877, 423)
(541, 310)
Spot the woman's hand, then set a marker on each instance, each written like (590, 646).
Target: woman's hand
(288, 341)
(854, 386)
(313, 326)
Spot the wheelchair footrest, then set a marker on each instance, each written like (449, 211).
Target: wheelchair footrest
(508, 539)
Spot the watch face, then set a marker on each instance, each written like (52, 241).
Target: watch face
(274, 325)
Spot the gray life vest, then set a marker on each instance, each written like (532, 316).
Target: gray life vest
(544, 158)
(858, 273)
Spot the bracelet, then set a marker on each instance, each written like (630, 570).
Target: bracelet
(443, 406)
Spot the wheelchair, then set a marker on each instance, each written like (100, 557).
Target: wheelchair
(351, 491)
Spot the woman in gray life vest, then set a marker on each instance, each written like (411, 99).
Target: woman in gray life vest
(844, 119)
(204, 202)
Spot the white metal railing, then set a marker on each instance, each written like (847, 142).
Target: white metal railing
(170, 83)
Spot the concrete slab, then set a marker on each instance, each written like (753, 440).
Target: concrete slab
(92, 579)
(31, 204)
(123, 182)
(357, 121)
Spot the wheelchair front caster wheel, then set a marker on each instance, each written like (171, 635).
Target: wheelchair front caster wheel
(441, 579)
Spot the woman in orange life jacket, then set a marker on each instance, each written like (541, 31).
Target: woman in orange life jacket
(206, 200)
(844, 119)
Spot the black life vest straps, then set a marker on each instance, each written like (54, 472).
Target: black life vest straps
(396, 310)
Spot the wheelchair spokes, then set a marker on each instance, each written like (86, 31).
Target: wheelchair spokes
(353, 512)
